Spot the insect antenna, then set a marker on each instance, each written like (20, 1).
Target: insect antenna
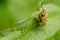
(42, 2)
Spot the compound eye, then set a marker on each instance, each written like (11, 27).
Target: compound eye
(42, 15)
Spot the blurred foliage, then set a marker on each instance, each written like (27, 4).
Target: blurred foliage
(16, 22)
(12, 11)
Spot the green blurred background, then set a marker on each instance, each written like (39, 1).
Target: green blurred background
(13, 11)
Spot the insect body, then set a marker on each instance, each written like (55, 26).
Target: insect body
(43, 17)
